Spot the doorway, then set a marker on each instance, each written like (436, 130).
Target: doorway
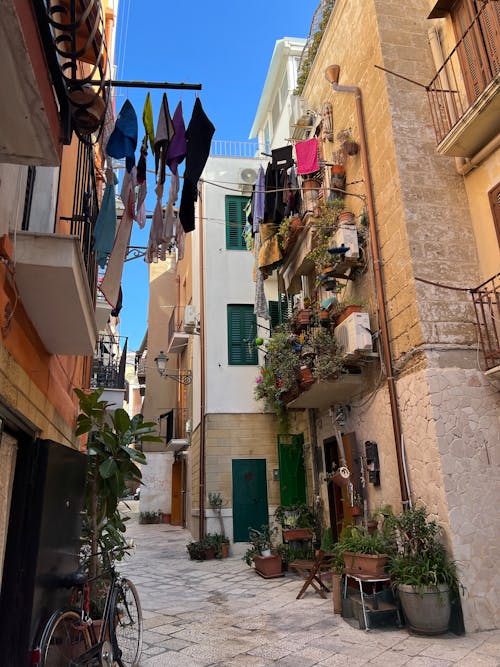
(338, 495)
(250, 508)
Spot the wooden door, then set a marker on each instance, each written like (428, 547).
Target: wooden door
(338, 496)
(177, 473)
(250, 509)
(292, 470)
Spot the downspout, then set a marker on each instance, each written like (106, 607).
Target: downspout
(332, 76)
(202, 365)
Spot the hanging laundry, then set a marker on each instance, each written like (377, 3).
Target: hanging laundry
(270, 255)
(123, 140)
(307, 156)
(282, 157)
(105, 225)
(142, 190)
(327, 121)
(180, 239)
(259, 199)
(110, 285)
(199, 135)
(176, 151)
(261, 308)
(155, 250)
(274, 210)
(116, 310)
(147, 121)
(164, 135)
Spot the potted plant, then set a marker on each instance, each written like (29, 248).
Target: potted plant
(422, 572)
(150, 517)
(260, 553)
(364, 553)
(298, 522)
(357, 505)
(196, 550)
(349, 146)
(342, 309)
(288, 231)
(327, 361)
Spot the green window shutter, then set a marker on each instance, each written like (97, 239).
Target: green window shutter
(241, 332)
(235, 222)
(279, 311)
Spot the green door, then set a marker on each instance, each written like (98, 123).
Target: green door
(250, 508)
(292, 471)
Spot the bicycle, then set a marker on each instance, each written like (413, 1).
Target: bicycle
(72, 638)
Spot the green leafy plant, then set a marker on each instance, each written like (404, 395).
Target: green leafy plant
(421, 558)
(260, 540)
(306, 64)
(112, 462)
(296, 516)
(216, 501)
(150, 517)
(196, 550)
(327, 360)
(357, 540)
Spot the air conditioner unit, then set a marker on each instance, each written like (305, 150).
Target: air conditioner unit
(346, 235)
(190, 320)
(247, 179)
(353, 334)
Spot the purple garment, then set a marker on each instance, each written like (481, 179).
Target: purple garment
(177, 147)
(259, 199)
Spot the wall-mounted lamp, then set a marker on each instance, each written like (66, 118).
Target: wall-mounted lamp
(184, 377)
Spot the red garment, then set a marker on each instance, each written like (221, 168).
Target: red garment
(307, 156)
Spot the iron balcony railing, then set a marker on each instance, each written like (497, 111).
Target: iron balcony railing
(85, 211)
(173, 424)
(472, 64)
(486, 299)
(240, 149)
(108, 366)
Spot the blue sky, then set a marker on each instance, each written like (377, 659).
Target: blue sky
(226, 46)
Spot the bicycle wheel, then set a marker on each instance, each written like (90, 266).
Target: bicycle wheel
(64, 638)
(126, 624)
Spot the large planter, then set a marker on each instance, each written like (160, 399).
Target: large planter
(372, 565)
(268, 567)
(429, 613)
(297, 534)
(346, 312)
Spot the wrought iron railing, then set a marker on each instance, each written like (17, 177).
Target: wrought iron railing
(486, 299)
(172, 424)
(108, 366)
(469, 68)
(85, 211)
(74, 40)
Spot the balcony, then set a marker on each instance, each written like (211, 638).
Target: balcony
(33, 98)
(53, 285)
(323, 393)
(175, 428)
(486, 299)
(108, 368)
(177, 338)
(464, 95)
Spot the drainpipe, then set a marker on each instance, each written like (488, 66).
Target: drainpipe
(332, 76)
(202, 365)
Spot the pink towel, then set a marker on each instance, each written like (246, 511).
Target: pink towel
(307, 156)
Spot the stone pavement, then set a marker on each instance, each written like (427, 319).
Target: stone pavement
(221, 613)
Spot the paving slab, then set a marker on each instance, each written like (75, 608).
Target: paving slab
(220, 613)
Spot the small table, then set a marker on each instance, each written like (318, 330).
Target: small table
(370, 579)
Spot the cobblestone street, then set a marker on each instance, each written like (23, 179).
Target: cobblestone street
(221, 613)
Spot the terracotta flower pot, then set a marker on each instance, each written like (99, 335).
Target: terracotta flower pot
(365, 564)
(297, 534)
(356, 511)
(268, 567)
(305, 377)
(225, 549)
(346, 312)
(345, 217)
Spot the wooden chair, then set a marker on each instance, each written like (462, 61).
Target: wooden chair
(311, 570)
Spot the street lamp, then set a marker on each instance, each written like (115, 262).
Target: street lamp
(183, 377)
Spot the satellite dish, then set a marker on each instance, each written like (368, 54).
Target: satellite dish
(248, 176)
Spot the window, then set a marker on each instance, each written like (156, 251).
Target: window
(241, 332)
(279, 311)
(478, 52)
(235, 222)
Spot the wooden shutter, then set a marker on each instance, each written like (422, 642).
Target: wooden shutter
(235, 222)
(280, 311)
(241, 332)
(494, 197)
(292, 469)
(476, 47)
(490, 27)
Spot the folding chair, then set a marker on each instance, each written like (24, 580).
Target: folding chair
(310, 571)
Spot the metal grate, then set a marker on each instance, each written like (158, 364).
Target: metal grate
(486, 299)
